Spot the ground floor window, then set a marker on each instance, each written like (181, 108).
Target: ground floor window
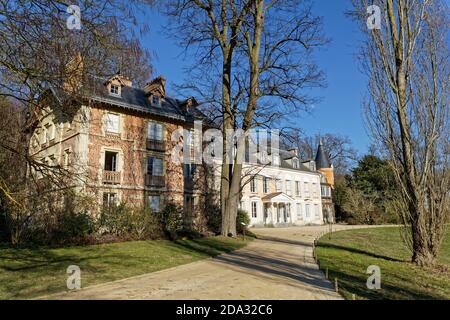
(307, 211)
(154, 203)
(190, 202)
(316, 211)
(254, 210)
(288, 210)
(299, 211)
(109, 199)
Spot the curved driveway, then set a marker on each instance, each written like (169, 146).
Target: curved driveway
(277, 266)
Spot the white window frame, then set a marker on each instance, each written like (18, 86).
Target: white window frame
(307, 210)
(316, 211)
(160, 160)
(153, 131)
(299, 211)
(289, 187)
(113, 92)
(279, 185)
(157, 102)
(150, 203)
(266, 185)
(297, 188)
(253, 185)
(254, 207)
(112, 127)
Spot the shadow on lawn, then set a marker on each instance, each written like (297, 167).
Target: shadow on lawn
(359, 251)
(357, 285)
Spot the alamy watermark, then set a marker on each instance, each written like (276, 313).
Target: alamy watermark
(74, 279)
(374, 281)
(256, 146)
(73, 22)
(374, 19)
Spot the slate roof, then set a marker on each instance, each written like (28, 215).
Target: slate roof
(135, 99)
(322, 160)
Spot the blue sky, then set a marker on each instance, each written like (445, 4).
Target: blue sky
(339, 111)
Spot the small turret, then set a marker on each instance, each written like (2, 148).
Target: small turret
(323, 164)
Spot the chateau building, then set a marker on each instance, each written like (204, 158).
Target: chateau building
(118, 144)
(290, 191)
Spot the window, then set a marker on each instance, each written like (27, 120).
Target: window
(299, 211)
(306, 189)
(266, 185)
(297, 188)
(326, 191)
(288, 210)
(254, 210)
(154, 203)
(307, 210)
(314, 187)
(278, 185)
(112, 123)
(66, 158)
(295, 163)
(288, 187)
(316, 211)
(189, 170)
(253, 185)
(156, 101)
(154, 166)
(52, 131)
(312, 166)
(155, 131)
(109, 199)
(189, 203)
(114, 90)
(45, 134)
(111, 161)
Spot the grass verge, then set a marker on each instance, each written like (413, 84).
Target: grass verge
(349, 253)
(32, 272)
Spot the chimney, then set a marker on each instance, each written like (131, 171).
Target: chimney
(156, 87)
(188, 103)
(73, 76)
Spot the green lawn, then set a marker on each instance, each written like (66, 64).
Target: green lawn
(33, 272)
(348, 254)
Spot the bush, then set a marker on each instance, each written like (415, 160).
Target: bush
(242, 217)
(72, 227)
(130, 223)
(171, 219)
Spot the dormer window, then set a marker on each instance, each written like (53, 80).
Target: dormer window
(156, 101)
(295, 163)
(114, 90)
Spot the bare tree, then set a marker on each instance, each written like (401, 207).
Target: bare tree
(40, 54)
(253, 60)
(407, 62)
(339, 148)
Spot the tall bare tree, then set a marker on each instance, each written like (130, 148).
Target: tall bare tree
(407, 62)
(253, 58)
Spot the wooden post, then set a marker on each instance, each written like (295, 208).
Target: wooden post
(318, 263)
(336, 285)
(326, 273)
(353, 297)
